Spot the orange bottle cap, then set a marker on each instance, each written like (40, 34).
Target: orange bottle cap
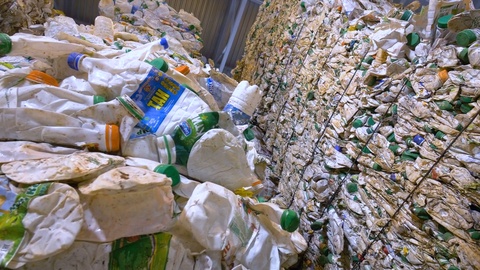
(41, 77)
(183, 69)
(443, 74)
(112, 138)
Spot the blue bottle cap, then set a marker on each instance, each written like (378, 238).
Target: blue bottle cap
(338, 148)
(164, 43)
(418, 139)
(73, 60)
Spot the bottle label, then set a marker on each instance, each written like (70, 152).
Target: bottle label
(238, 116)
(156, 96)
(140, 252)
(12, 230)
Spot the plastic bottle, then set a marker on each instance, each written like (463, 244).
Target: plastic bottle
(46, 97)
(442, 28)
(22, 44)
(179, 74)
(243, 102)
(163, 100)
(104, 28)
(219, 91)
(43, 126)
(121, 111)
(468, 36)
(174, 147)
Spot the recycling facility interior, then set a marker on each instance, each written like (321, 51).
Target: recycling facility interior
(381, 163)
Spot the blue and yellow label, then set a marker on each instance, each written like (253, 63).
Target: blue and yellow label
(156, 96)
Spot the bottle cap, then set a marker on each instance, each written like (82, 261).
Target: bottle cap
(131, 106)
(357, 123)
(289, 220)
(160, 64)
(407, 14)
(74, 59)
(164, 43)
(465, 108)
(466, 37)
(474, 234)
(302, 5)
(352, 187)
(98, 99)
(183, 69)
(370, 121)
(439, 135)
(391, 137)
(413, 39)
(463, 56)
(445, 105)
(249, 135)
(366, 150)
(418, 139)
(41, 77)
(112, 138)
(443, 21)
(170, 171)
(317, 225)
(465, 99)
(377, 167)
(5, 44)
(394, 148)
(421, 213)
(443, 75)
(338, 148)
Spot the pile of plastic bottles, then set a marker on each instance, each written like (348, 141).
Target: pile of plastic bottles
(121, 149)
(370, 115)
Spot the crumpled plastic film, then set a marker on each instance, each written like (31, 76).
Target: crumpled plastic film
(354, 122)
(16, 15)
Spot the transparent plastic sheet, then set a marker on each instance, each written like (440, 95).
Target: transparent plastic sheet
(356, 138)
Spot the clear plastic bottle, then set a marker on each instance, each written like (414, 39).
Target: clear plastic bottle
(243, 102)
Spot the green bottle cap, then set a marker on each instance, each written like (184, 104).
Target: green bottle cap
(170, 171)
(474, 234)
(421, 213)
(394, 148)
(370, 121)
(304, 8)
(366, 150)
(465, 99)
(352, 187)
(317, 225)
(370, 130)
(427, 128)
(466, 37)
(465, 108)
(409, 141)
(445, 105)
(391, 137)
(98, 99)
(447, 236)
(289, 220)
(439, 135)
(249, 135)
(443, 21)
(407, 14)
(160, 64)
(5, 44)
(459, 127)
(357, 123)
(368, 60)
(463, 56)
(452, 267)
(377, 167)
(413, 39)
(191, 27)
